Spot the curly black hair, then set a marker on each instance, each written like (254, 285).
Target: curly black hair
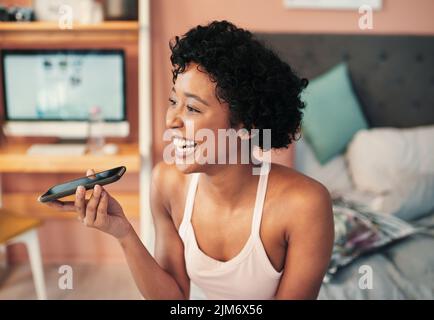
(262, 91)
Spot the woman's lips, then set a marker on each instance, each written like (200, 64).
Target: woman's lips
(183, 147)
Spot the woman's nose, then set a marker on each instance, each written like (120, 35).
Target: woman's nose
(174, 119)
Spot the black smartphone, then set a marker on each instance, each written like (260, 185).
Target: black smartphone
(68, 188)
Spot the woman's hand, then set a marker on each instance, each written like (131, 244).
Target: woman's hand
(101, 211)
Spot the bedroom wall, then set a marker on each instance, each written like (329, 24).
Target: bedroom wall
(170, 18)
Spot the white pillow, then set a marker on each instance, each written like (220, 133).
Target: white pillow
(397, 165)
(377, 157)
(333, 174)
(412, 198)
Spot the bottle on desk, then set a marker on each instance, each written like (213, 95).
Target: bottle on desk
(95, 139)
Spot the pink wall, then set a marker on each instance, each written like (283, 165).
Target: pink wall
(175, 17)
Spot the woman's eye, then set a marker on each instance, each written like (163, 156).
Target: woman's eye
(172, 102)
(191, 109)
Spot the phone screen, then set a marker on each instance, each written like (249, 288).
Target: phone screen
(69, 187)
(73, 184)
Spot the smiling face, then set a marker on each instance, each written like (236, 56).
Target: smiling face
(193, 103)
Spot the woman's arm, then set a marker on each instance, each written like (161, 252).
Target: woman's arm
(153, 281)
(310, 238)
(165, 277)
(161, 278)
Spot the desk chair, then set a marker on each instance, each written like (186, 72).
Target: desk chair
(16, 229)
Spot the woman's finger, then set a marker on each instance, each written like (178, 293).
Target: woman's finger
(80, 204)
(101, 212)
(90, 173)
(62, 205)
(92, 206)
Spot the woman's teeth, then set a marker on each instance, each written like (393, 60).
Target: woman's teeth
(184, 146)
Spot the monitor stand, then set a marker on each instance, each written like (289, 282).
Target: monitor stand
(64, 147)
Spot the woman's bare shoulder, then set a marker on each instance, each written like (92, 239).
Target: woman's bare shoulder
(166, 177)
(299, 196)
(167, 182)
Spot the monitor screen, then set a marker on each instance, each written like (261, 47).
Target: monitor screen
(63, 84)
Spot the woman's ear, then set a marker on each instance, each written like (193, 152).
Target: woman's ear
(243, 133)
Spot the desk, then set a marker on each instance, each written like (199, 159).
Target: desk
(14, 159)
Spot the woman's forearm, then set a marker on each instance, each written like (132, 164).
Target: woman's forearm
(152, 281)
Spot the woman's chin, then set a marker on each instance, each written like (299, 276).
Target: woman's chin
(187, 163)
(187, 168)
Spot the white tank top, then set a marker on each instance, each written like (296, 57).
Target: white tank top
(249, 275)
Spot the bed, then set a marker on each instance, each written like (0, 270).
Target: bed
(402, 270)
(393, 77)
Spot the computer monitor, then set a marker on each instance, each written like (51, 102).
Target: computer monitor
(50, 92)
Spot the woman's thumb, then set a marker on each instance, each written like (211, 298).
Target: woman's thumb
(90, 173)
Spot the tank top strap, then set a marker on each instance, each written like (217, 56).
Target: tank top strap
(260, 198)
(188, 209)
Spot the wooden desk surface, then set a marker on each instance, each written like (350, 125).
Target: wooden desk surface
(24, 204)
(54, 26)
(14, 158)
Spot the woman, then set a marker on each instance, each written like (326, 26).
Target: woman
(234, 234)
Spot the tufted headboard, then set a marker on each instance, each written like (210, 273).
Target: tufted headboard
(393, 76)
